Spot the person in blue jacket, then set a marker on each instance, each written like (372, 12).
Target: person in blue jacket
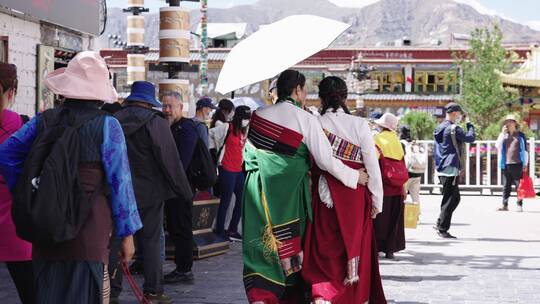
(512, 146)
(449, 138)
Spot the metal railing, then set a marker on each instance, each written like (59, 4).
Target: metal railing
(481, 170)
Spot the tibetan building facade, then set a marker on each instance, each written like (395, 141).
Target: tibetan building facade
(526, 81)
(401, 78)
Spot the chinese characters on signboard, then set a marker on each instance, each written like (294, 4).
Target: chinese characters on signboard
(386, 55)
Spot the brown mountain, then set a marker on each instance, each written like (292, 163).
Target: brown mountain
(423, 21)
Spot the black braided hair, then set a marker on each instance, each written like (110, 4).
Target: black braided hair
(287, 82)
(333, 94)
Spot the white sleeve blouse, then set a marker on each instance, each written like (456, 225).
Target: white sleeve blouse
(298, 120)
(357, 131)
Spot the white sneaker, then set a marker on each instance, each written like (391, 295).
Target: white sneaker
(519, 209)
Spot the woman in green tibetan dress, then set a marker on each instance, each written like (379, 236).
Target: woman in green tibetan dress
(282, 141)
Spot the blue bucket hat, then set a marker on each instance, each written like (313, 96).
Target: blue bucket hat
(144, 91)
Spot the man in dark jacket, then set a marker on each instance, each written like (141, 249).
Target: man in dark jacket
(203, 112)
(449, 138)
(158, 175)
(179, 210)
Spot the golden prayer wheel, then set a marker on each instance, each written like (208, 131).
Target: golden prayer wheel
(135, 3)
(173, 18)
(174, 34)
(135, 22)
(174, 46)
(135, 30)
(136, 70)
(176, 85)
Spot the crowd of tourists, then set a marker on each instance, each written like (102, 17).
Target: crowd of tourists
(319, 197)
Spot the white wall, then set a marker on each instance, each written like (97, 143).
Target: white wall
(24, 36)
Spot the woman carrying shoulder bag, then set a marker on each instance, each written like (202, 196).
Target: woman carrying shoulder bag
(389, 225)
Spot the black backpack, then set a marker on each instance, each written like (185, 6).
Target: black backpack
(201, 171)
(49, 204)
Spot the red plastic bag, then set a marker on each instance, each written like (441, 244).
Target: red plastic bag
(526, 188)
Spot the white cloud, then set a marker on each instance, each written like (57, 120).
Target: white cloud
(535, 25)
(353, 3)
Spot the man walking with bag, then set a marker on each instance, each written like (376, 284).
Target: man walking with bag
(157, 175)
(201, 173)
(449, 140)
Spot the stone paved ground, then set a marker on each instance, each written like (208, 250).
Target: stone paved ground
(495, 260)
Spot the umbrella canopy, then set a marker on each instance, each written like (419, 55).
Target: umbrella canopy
(252, 103)
(275, 48)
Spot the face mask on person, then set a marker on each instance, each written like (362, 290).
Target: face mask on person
(245, 123)
(208, 115)
(230, 116)
(459, 118)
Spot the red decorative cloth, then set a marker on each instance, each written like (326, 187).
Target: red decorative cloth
(257, 295)
(340, 254)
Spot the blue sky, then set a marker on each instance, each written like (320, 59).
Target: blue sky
(523, 11)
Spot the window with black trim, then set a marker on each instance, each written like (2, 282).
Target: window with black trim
(389, 81)
(435, 82)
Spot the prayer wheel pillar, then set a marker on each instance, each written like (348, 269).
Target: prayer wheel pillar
(135, 31)
(136, 67)
(174, 43)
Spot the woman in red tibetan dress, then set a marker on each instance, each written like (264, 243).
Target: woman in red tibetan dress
(340, 254)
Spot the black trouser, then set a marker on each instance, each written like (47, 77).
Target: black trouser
(22, 274)
(231, 182)
(149, 235)
(180, 228)
(512, 176)
(450, 201)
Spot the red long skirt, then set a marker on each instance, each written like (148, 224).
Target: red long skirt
(336, 236)
(389, 225)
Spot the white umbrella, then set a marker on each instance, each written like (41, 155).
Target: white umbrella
(252, 103)
(275, 48)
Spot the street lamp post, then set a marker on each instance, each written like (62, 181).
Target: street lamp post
(358, 78)
(204, 47)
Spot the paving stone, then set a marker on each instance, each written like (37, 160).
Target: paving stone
(495, 260)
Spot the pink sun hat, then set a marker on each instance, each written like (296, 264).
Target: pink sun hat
(86, 77)
(389, 121)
